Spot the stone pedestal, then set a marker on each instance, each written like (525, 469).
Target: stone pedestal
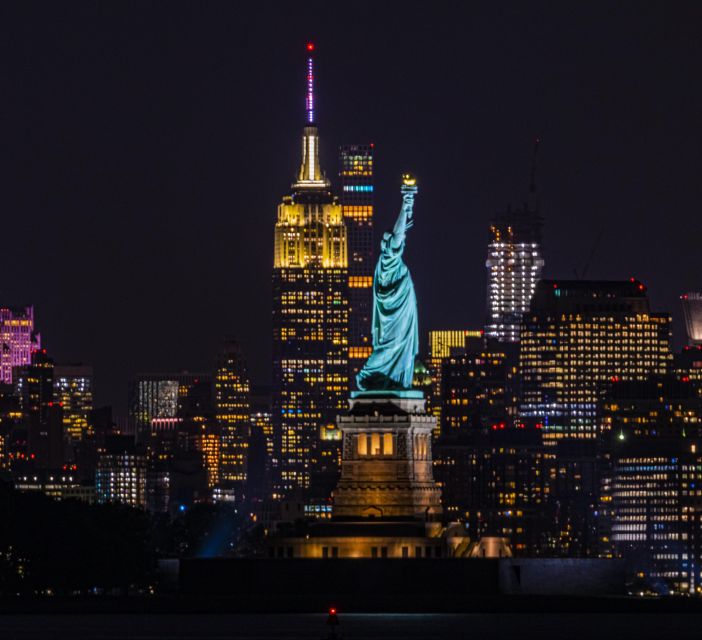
(386, 469)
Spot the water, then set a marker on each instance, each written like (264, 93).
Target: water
(565, 626)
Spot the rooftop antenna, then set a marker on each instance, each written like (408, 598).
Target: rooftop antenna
(309, 102)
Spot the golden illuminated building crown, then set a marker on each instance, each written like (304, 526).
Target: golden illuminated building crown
(310, 231)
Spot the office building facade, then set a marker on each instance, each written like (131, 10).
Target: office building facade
(578, 337)
(73, 390)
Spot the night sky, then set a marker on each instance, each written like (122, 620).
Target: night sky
(147, 145)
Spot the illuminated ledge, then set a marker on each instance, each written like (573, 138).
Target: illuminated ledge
(408, 394)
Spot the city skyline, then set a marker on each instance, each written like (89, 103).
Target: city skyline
(130, 221)
(399, 302)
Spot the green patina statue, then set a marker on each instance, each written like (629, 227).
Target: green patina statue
(390, 366)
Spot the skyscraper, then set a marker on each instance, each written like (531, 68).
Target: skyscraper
(17, 339)
(654, 499)
(73, 390)
(233, 414)
(514, 265)
(692, 308)
(310, 316)
(578, 337)
(165, 395)
(443, 344)
(34, 386)
(121, 473)
(356, 173)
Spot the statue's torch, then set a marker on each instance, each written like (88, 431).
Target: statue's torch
(408, 190)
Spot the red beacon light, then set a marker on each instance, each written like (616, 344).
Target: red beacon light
(310, 46)
(332, 621)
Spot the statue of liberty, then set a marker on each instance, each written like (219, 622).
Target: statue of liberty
(390, 366)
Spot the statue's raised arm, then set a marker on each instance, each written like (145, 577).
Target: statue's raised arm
(405, 219)
(395, 328)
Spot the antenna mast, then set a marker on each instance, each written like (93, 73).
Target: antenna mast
(309, 102)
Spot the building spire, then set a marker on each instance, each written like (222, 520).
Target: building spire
(310, 175)
(309, 102)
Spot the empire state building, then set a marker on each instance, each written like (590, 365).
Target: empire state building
(310, 319)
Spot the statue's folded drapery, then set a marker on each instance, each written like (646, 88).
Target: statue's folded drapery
(395, 327)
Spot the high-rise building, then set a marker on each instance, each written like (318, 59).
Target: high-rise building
(208, 442)
(34, 386)
(442, 344)
(165, 395)
(121, 473)
(577, 338)
(652, 488)
(73, 390)
(498, 482)
(356, 174)
(233, 414)
(514, 265)
(687, 365)
(692, 308)
(17, 340)
(655, 495)
(310, 317)
(474, 391)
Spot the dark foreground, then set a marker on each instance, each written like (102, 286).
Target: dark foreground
(480, 626)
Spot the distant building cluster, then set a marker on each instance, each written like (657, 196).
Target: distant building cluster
(566, 426)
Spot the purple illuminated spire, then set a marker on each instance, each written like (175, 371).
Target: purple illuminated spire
(309, 106)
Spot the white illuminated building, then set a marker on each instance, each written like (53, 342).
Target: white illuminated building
(692, 308)
(514, 266)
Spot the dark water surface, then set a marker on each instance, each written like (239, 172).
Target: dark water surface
(565, 626)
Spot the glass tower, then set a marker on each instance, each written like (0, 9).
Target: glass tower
(310, 318)
(356, 174)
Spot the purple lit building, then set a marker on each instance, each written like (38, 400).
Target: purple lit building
(17, 339)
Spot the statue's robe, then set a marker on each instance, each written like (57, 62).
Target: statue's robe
(395, 327)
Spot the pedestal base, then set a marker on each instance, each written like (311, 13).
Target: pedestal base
(386, 468)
